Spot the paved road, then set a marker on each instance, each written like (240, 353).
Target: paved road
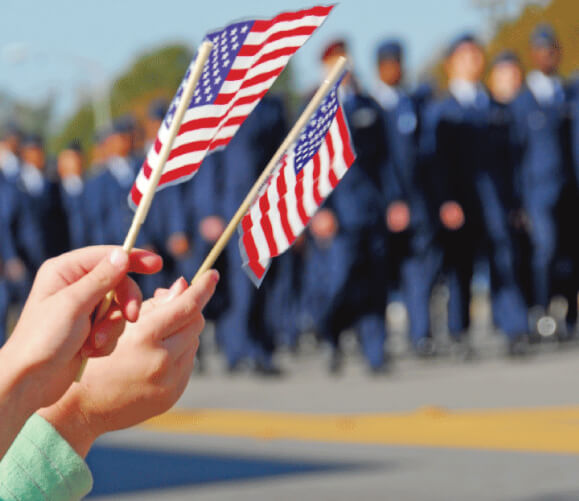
(491, 429)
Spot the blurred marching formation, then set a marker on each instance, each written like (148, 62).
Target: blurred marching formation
(475, 181)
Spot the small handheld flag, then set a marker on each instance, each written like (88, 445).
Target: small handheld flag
(303, 179)
(245, 61)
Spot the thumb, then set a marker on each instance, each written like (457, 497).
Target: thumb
(88, 291)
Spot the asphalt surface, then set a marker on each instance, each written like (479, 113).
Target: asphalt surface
(443, 429)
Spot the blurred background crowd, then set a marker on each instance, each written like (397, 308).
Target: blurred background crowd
(466, 181)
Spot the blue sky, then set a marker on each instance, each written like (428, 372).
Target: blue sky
(108, 34)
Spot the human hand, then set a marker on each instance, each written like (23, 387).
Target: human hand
(145, 374)
(211, 228)
(324, 225)
(44, 351)
(452, 215)
(398, 217)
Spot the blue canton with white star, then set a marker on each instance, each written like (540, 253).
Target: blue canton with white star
(314, 133)
(226, 45)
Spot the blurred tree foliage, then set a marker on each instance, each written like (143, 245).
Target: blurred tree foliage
(156, 74)
(563, 15)
(514, 34)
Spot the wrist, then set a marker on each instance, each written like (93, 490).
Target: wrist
(15, 406)
(16, 386)
(71, 422)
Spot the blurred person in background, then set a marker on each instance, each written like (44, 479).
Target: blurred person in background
(470, 195)
(70, 168)
(165, 223)
(41, 194)
(346, 262)
(544, 174)
(10, 145)
(410, 229)
(226, 177)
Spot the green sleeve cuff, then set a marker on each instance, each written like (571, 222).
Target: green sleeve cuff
(41, 465)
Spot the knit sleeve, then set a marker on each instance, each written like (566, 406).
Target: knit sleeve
(41, 465)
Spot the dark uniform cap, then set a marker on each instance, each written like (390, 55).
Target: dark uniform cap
(506, 56)
(459, 40)
(158, 109)
(74, 145)
(336, 46)
(124, 124)
(33, 141)
(101, 134)
(11, 129)
(544, 36)
(389, 50)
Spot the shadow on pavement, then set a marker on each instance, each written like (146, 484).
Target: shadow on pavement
(123, 470)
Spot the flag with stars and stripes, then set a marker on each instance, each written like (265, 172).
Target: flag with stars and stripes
(303, 179)
(244, 62)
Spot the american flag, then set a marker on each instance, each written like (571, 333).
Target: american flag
(245, 61)
(304, 178)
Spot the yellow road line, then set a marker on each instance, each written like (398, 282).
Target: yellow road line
(554, 430)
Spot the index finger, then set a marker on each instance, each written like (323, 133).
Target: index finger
(70, 267)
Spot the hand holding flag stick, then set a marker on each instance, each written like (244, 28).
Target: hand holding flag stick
(334, 75)
(145, 203)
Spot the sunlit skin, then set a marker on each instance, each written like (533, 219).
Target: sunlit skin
(546, 59)
(467, 62)
(11, 143)
(69, 164)
(119, 144)
(151, 127)
(390, 72)
(505, 80)
(331, 60)
(35, 156)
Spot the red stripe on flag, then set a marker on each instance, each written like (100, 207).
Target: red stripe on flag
(287, 229)
(268, 232)
(184, 171)
(348, 154)
(316, 174)
(188, 148)
(292, 16)
(252, 50)
(136, 195)
(199, 123)
(257, 269)
(332, 154)
(300, 198)
(246, 222)
(250, 247)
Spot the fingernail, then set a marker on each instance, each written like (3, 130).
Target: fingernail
(100, 339)
(119, 258)
(215, 276)
(174, 290)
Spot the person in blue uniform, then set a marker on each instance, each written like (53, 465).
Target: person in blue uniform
(108, 188)
(345, 265)
(407, 218)
(70, 172)
(543, 171)
(10, 145)
(165, 224)
(226, 177)
(22, 247)
(41, 194)
(469, 185)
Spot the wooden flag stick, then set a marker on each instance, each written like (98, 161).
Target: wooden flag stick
(147, 199)
(293, 135)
